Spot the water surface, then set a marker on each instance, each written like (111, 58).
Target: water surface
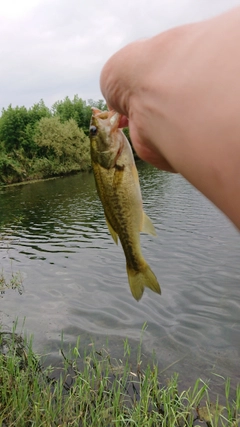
(75, 281)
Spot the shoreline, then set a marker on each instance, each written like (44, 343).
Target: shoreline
(36, 180)
(95, 389)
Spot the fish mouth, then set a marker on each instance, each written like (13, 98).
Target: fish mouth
(99, 113)
(111, 116)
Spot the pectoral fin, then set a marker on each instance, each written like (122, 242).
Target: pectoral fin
(112, 232)
(147, 225)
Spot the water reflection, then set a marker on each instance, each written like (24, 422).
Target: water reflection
(75, 278)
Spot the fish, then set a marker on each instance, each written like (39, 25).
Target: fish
(118, 187)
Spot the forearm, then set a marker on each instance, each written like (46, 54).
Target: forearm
(181, 93)
(202, 118)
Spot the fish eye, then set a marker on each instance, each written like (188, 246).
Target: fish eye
(93, 130)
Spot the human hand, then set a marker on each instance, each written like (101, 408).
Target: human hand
(180, 91)
(123, 89)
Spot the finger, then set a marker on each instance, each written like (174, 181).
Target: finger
(118, 78)
(147, 152)
(123, 122)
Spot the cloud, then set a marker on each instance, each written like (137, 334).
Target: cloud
(56, 48)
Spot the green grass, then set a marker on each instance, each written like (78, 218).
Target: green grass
(11, 280)
(95, 390)
(14, 282)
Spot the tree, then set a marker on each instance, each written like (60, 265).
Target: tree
(63, 142)
(37, 112)
(100, 104)
(78, 110)
(12, 126)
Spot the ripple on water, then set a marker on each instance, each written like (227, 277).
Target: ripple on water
(75, 277)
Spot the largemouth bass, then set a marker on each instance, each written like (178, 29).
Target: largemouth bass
(118, 187)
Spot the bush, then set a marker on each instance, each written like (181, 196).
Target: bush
(63, 143)
(10, 169)
(39, 142)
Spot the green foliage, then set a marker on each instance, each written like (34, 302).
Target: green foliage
(12, 126)
(63, 143)
(100, 104)
(75, 109)
(27, 140)
(126, 133)
(42, 142)
(10, 169)
(78, 110)
(35, 114)
(17, 126)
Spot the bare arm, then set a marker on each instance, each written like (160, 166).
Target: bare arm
(181, 93)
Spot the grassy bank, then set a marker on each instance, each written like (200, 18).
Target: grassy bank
(93, 389)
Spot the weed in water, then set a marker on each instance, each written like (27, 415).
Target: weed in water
(14, 282)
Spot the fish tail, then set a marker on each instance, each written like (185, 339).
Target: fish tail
(138, 280)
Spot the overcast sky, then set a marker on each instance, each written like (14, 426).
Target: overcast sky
(50, 49)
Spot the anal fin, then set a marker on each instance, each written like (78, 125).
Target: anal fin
(112, 231)
(147, 225)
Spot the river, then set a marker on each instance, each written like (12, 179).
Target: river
(75, 283)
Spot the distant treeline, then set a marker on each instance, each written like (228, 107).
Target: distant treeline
(40, 142)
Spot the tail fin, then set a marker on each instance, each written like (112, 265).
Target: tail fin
(139, 279)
